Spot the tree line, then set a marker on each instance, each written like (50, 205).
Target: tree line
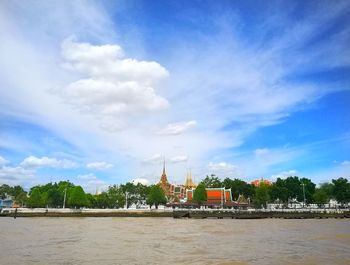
(284, 191)
(66, 194)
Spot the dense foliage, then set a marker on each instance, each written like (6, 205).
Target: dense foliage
(200, 194)
(156, 196)
(289, 190)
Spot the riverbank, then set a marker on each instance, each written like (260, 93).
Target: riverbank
(178, 213)
(51, 212)
(259, 214)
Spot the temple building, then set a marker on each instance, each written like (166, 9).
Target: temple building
(172, 192)
(189, 184)
(258, 182)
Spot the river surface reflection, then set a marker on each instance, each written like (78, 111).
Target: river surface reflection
(173, 241)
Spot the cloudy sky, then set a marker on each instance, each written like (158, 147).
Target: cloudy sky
(100, 92)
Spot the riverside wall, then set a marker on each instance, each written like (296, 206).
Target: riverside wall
(179, 213)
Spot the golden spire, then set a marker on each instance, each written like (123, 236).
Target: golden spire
(189, 182)
(163, 178)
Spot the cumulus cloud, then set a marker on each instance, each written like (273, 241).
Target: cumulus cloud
(3, 161)
(142, 181)
(176, 128)
(114, 85)
(157, 158)
(178, 159)
(99, 165)
(284, 174)
(16, 175)
(223, 169)
(91, 183)
(36, 162)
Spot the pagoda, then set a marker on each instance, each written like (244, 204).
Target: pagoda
(189, 184)
(164, 184)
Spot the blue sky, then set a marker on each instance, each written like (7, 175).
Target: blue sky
(100, 92)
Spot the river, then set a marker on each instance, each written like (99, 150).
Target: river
(173, 241)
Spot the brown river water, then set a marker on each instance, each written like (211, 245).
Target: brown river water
(173, 241)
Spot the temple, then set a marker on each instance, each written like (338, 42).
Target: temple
(182, 195)
(173, 192)
(258, 182)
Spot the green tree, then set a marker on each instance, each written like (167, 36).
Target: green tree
(77, 197)
(102, 200)
(239, 187)
(115, 197)
(341, 190)
(22, 198)
(294, 188)
(310, 188)
(320, 197)
(156, 196)
(262, 196)
(328, 189)
(212, 182)
(278, 191)
(35, 199)
(200, 194)
(5, 190)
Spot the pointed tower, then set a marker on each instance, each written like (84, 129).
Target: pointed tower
(163, 178)
(163, 182)
(189, 184)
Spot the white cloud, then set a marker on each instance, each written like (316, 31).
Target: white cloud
(345, 163)
(284, 174)
(261, 152)
(178, 159)
(16, 176)
(142, 181)
(176, 128)
(3, 161)
(156, 158)
(35, 162)
(115, 85)
(223, 169)
(99, 165)
(91, 183)
(234, 90)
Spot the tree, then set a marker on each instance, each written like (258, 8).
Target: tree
(211, 182)
(278, 191)
(115, 197)
(294, 188)
(22, 198)
(200, 194)
(341, 190)
(309, 190)
(5, 190)
(156, 196)
(102, 200)
(239, 187)
(328, 189)
(137, 194)
(262, 196)
(320, 197)
(35, 199)
(77, 197)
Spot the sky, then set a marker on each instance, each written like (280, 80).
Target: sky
(102, 92)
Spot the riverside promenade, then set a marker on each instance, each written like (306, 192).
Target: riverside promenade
(179, 213)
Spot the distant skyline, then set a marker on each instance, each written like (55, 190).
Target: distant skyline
(99, 93)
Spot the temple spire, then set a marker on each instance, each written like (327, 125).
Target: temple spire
(164, 167)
